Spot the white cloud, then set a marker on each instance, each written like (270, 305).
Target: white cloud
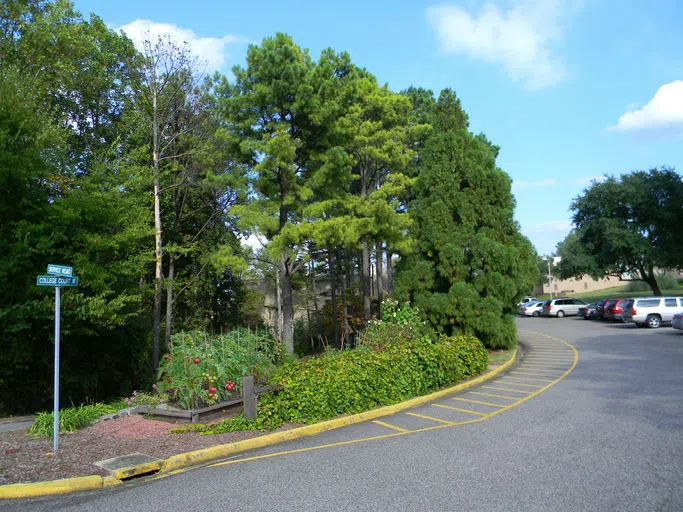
(587, 181)
(663, 112)
(211, 50)
(548, 182)
(522, 38)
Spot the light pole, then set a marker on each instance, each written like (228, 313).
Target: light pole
(550, 280)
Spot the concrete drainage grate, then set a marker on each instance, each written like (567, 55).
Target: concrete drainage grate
(130, 466)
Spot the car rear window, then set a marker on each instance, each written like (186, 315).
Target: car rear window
(670, 303)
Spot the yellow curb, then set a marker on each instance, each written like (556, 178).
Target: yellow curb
(63, 486)
(204, 455)
(138, 469)
(184, 460)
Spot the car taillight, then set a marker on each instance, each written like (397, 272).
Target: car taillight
(550, 306)
(617, 309)
(633, 311)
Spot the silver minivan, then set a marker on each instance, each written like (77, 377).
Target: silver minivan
(563, 306)
(652, 311)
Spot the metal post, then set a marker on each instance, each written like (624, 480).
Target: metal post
(550, 280)
(55, 426)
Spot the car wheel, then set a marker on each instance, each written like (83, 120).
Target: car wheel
(653, 321)
(560, 314)
(535, 313)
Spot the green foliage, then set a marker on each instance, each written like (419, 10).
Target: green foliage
(472, 264)
(400, 323)
(198, 363)
(352, 381)
(236, 424)
(142, 398)
(71, 419)
(624, 226)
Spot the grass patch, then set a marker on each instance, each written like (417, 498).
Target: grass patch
(498, 357)
(71, 419)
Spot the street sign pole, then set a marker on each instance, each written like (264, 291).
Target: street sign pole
(55, 425)
(58, 276)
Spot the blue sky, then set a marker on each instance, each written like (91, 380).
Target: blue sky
(570, 90)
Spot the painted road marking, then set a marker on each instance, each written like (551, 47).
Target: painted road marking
(530, 380)
(547, 373)
(521, 384)
(507, 389)
(438, 420)
(531, 373)
(460, 410)
(476, 402)
(539, 337)
(496, 396)
(389, 425)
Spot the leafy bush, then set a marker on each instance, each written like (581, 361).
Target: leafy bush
(400, 323)
(201, 369)
(71, 419)
(354, 381)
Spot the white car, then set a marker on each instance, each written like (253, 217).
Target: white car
(531, 308)
(525, 300)
(563, 306)
(652, 311)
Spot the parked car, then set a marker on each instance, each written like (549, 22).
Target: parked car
(652, 311)
(527, 299)
(600, 309)
(588, 311)
(614, 310)
(531, 308)
(563, 306)
(677, 321)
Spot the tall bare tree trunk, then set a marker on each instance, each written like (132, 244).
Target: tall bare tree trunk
(345, 311)
(287, 304)
(365, 279)
(390, 273)
(333, 290)
(380, 281)
(169, 302)
(157, 236)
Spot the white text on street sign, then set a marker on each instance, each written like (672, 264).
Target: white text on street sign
(59, 270)
(57, 281)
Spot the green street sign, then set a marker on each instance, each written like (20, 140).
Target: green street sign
(57, 281)
(60, 270)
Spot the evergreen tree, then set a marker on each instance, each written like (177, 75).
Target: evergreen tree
(472, 264)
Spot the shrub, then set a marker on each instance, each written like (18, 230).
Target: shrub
(354, 381)
(400, 323)
(200, 369)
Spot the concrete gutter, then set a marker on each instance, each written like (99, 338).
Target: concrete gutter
(188, 459)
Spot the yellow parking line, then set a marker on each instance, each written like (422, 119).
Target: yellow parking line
(517, 372)
(530, 380)
(547, 359)
(460, 410)
(521, 384)
(476, 402)
(541, 369)
(507, 389)
(496, 396)
(439, 420)
(388, 425)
